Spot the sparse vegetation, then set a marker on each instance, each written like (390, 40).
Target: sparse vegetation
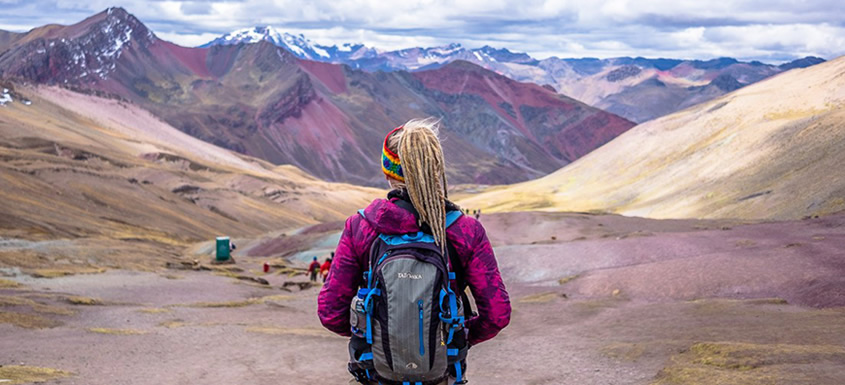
(567, 279)
(540, 297)
(20, 374)
(289, 331)
(246, 302)
(6, 284)
(56, 273)
(172, 324)
(28, 321)
(624, 351)
(35, 306)
(746, 363)
(123, 332)
(154, 310)
(78, 300)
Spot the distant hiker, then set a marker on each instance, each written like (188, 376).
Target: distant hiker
(477, 214)
(324, 268)
(413, 255)
(313, 269)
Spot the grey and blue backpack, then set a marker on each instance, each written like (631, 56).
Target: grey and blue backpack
(408, 322)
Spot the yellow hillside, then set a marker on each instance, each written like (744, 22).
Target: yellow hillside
(114, 181)
(772, 150)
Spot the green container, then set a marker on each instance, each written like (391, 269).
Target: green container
(223, 249)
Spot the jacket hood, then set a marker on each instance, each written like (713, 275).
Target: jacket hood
(388, 218)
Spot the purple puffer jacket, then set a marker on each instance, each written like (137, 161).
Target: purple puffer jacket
(468, 238)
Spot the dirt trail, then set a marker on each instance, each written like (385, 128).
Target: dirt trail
(611, 308)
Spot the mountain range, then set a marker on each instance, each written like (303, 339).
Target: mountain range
(638, 89)
(328, 119)
(771, 150)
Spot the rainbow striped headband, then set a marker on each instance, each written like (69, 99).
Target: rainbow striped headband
(390, 163)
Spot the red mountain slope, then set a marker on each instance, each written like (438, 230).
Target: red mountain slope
(327, 119)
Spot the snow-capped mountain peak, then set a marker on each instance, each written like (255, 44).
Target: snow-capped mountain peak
(296, 44)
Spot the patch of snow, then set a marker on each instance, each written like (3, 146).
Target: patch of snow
(118, 43)
(446, 50)
(79, 56)
(346, 47)
(253, 36)
(477, 55)
(320, 51)
(27, 102)
(296, 49)
(5, 98)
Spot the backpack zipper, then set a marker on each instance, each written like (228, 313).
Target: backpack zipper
(422, 345)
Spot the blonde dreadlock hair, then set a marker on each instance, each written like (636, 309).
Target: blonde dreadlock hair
(418, 147)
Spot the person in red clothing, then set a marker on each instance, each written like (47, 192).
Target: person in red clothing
(414, 168)
(313, 269)
(324, 268)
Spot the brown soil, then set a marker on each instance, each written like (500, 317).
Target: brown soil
(690, 303)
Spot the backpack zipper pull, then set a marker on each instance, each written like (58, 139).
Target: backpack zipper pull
(422, 344)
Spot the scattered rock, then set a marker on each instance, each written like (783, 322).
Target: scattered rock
(229, 261)
(253, 279)
(186, 189)
(301, 285)
(187, 265)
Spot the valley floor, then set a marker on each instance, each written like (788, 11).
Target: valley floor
(597, 299)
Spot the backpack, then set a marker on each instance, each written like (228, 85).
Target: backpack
(408, 323)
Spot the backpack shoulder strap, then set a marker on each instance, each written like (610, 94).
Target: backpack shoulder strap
(452, 217)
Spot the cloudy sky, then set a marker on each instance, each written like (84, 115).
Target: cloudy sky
(766, 30)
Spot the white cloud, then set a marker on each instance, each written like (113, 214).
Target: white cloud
(771, 30)
(192, 40)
